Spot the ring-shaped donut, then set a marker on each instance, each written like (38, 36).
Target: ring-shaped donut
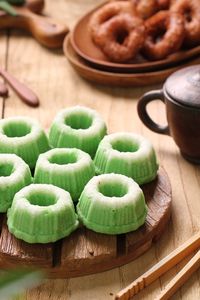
(145, 9)
(165, 33)
(121, 37)
(108, 11)
(190, 9)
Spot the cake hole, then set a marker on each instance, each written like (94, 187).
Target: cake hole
(79, 121)
(158, 36)
(125, 145)
(188, 15)
(121, 35)
(16, 129)
(42, 198)
(112, 189)
(6, 169)
(63, 158)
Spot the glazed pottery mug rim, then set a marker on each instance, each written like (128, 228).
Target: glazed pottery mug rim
(174, 101)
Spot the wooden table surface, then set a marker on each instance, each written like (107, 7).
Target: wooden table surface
(58, 86)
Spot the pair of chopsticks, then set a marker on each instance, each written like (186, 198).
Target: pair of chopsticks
(162, 267)
(23, 92)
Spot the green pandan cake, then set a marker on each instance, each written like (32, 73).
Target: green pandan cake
(112, 204)
(77, 127)
(42, 213)
(14, 175)
(128, 154)
(24, 137)
(68, 168)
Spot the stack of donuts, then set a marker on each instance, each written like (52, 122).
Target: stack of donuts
(153, 28)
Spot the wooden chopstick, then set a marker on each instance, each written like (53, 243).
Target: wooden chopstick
(192, 266)
(160, 268)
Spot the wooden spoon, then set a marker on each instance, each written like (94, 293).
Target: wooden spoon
(3, 90)
(47, 31)
(24, 93)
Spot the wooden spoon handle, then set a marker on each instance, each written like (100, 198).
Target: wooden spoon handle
(192, 266)
(3, 90)
(47, 31)
(25, 94)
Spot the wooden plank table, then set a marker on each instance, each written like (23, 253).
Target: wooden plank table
(58, 86)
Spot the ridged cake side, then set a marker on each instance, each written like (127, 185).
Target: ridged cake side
(14, 175)
(69, 169)
(77, 127)
(24, 137)
(112, 204)
(42, 213)
(128, 154)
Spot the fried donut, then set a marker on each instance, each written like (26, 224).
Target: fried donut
(145, 8)
(107, 12)
(121, 37)
(163, 4)
(165, 34)
(190, 9)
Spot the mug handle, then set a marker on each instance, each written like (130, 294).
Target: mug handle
(143, 114)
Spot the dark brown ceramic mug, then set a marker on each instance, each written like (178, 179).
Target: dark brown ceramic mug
(181, 95)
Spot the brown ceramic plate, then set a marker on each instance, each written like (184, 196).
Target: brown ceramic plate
(84, 46)
(116, 79)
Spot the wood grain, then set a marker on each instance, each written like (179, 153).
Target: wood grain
(192, 266)
(13, 250)
(58, 86)
(160, 205)
(162, 267)
(85, 247)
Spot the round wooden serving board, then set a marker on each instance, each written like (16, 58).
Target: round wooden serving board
(86, 252)
(117, 79)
